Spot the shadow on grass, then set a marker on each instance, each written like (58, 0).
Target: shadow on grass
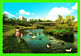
(11, 45)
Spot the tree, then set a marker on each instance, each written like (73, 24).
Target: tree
(19, 22)
(72, 18)
(31, 21)
(14, 21)
(24, 20)
(59, 19)
(35, 20)
(4, 17)
(10, 20)
(39, 20)
(69, 19)
(48, 21)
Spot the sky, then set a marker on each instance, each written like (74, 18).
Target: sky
(49, 11)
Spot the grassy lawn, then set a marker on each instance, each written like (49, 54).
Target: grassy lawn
(10, 44)
(7, 28)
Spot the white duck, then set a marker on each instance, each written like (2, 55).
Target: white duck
(48, 46)
(30, 33)
(68, 50)
(33, 37)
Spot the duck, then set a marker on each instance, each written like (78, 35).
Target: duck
(48, 46)
(68, 50)
(33, 37)
(30, 33)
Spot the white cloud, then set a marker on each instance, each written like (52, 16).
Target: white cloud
(27, 13)
(53, 14)
(9, 14)
(61, 11)
(36, 17)
(24, 12)
(6, 12)
(75, 6)
(21, 12)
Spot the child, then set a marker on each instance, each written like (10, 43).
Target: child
(17, 31)
(18, 34)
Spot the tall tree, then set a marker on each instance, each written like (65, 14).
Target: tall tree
(14, 21)
(4, 17)
(31, 21)
(59, 19)
(72, 18)
(69, 19)
(24, 20)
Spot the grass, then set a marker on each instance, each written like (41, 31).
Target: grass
(7, 28)
(10, 43)
(9, 33)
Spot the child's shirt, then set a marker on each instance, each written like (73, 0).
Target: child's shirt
(16, 34)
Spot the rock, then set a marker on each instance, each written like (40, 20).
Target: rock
(39, 38)
(51, 38)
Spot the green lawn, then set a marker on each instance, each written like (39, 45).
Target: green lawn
(10, 44)
(7, 28)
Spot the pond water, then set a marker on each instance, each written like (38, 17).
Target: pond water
(38, 41)
(75, 35)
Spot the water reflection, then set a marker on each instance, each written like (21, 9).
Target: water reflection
(38, 42)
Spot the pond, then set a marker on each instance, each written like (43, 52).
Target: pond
(40, 42)
(75, 35)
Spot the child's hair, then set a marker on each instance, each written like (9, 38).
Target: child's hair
(17, 27)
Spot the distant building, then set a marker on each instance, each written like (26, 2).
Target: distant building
(20, 17)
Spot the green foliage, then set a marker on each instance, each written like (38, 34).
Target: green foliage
(61, 29)
(62, 23)
(59, 19)
(4, 17)
(68, 20)
(31, 21)
(12, 46)
(19, 22)
(24, 20)
(39, 20)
